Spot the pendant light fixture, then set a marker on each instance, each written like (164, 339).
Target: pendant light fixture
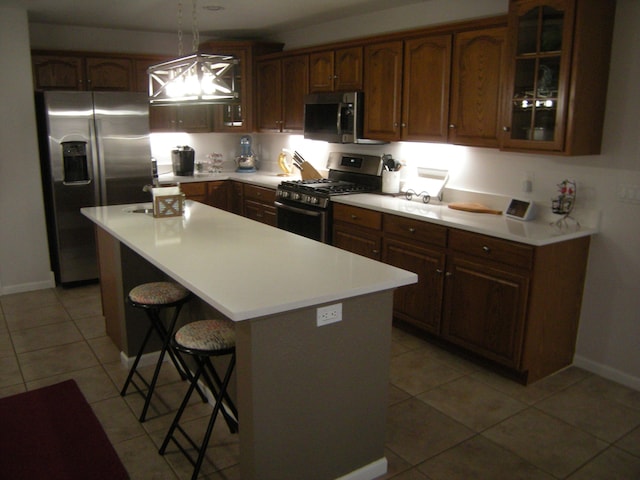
(196, 79)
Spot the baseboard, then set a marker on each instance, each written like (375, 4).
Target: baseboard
(607, 372)
(368, 472)
(145, 360)
(29, 287)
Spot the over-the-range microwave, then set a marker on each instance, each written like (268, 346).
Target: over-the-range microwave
(335, 117)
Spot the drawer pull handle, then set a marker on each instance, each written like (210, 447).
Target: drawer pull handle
(486, 249)
(448, 274)
(439, 271)
(375, 251)
(412, 230)
(354, 217)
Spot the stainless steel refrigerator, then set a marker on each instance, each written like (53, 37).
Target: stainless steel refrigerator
(94, 149)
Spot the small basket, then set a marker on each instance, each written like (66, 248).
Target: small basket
(168, 205)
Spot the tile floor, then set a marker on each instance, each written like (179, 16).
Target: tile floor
(448, 419)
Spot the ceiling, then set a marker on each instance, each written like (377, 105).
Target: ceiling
(214, 18)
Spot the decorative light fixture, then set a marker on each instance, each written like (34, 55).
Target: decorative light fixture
(195, 79)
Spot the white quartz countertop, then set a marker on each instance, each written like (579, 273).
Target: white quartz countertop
(243, 268)
(538, 232)
(541, 231)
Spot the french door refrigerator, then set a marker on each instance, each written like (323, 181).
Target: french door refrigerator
(94, 150)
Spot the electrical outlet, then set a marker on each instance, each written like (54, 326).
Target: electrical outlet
(329, 314)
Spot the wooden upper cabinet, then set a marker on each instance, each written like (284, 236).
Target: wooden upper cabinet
(339, 70)
(382, 90)
(558, 54)
(269, 87)
(477, 72)
(321, 76)
(54, 72)
(425, 104)
(78, 71)
(105, 73)
(282, 84)
(295, 81)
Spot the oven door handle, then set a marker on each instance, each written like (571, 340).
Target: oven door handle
(302, 211)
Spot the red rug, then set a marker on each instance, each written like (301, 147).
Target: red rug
(52, 433)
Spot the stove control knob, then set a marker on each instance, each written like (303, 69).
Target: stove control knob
(295, 196)
(313, 200)
(284, 194)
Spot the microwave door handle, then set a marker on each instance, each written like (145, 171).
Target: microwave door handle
(339, 120)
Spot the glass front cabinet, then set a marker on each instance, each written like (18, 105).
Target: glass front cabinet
(558, 55)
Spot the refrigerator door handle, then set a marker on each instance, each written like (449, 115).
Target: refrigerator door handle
(97, 161)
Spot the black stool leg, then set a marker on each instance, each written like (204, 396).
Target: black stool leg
(134, 367)
(207, 436)
(217, 391)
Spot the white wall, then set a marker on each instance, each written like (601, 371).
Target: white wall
(609, 334)
(24, 254)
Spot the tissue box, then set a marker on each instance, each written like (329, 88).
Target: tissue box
(167, 202)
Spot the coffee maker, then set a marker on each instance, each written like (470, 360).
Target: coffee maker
(183, 159)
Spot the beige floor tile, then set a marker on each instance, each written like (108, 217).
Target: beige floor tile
(397, 395)
(472, 403)
(12, 390)
(546, 442)
(395, 465)
(596, 414)
(9, 371)
(26, 301)
(104, 349)
(56, 360)
(45, 336)
(611, 464)
(6, 345)
(479, 458)
(416, 431)
(416, 372)
(142, 461)
(535, 392)
(94, 383)
(231, 473)
(91, 326)
(413, 474)
(90, 307)
(601, 387)
(36, 316)
(117, 419)
(631, 442)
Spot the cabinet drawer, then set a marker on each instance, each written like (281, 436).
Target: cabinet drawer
(357, 216)
(260, 194)
(416, 230)
(192, 189)
(491, 248)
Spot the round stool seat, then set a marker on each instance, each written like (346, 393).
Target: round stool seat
(207, 335)
(158, 293)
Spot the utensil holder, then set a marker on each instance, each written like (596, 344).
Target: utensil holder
(390, 181)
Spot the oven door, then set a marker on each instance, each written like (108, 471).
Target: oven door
(309, 222)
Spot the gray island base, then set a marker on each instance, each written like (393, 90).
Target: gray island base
(312, 396)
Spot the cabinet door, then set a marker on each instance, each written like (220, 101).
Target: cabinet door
(105, 73)
(348, 69)
(355, 240)
(194, 118)
(295, 85)
(234, 117)
(237, 198)
(382, 90)
(321, 77)
(269, 85)
(420, 303)
(485, 309)
(260, 212)
(218, 194)
(140, 66)
(425, 107)
(196, 191)
(52, 72)
(478, 61)
(163, 119)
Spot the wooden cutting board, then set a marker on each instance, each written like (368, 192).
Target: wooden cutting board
(473, 207)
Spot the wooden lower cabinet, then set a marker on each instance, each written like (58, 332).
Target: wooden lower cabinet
(216, 194)
(357, 230)
(513, 304)
(258, 204)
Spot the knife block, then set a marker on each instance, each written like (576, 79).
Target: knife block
(308, 172)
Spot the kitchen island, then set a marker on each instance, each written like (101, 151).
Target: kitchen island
(311, 392)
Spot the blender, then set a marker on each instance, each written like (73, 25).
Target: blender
(246, 162)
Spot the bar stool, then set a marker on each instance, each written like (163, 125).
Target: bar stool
(202, 340)
(153, 298)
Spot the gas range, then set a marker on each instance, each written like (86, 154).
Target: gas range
(348, 174)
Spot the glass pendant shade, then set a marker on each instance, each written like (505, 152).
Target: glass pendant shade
(196, 79)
